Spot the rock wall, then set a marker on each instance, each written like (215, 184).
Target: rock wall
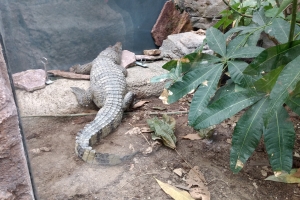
(69, 32)
(15, 180)
(203, 13)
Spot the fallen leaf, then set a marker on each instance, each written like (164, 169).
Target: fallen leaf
(297, 173)
(263, 173)
(192, 137)
(285, 177)
(134, 131)
(164, 96)
(195, 178)
(174, 192)
(178, 171)
(158, 108)
(45, 149)
(200, 193)
(146, 130)
(229, 141)
(139, 104)
(163, 130)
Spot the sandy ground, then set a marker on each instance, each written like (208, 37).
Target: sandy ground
(59, 174)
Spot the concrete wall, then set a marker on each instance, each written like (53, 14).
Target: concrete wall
(69, 32)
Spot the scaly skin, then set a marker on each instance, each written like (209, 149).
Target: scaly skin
(107, 90)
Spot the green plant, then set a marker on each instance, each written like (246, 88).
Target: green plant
(264, 86)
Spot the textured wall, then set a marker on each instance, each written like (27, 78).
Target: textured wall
(71, 32)
(14, 175)
(203, 13)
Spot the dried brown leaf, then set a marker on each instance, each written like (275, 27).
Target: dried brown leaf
(192, 137)
(139, 104)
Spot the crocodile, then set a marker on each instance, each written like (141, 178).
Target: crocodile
(108, 90)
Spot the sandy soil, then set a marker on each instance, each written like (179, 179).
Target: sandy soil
(59, 174)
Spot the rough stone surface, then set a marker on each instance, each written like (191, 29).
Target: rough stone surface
(145, 57)
(57, 97)
(30, 80)
(128, 58)
(73, 32)
(203, 13)
(178, 45)
(152, 52)
(15, 181)
(170, 21)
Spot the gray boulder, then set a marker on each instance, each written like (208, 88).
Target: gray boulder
(179, 45)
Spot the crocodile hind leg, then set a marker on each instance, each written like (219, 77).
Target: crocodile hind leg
(128, 100)
(84, 97)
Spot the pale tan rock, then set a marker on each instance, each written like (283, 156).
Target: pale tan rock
(152, 52)
(30, 80)
(128, 58)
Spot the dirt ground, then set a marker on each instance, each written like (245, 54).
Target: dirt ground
(59, 174)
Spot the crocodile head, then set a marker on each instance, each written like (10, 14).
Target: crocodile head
(113, 52)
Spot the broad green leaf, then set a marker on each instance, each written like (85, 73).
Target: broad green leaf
(279, 138)
(284, 177)
(285, 84)
(273, 57)
(190, 82)
(246, 135)
(254, 37)
(241, 29)
(229, 87)
(294, 104)
(203, 94)
(236, 69)
(279, 29)
(246, 52)
(225, 107)
(259, 17)
(216, 41)
(235, 44)
(284, 4)
(192, 61)
(267, 82)
(163, 130)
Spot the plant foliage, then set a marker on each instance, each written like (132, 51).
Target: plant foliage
(264, 85)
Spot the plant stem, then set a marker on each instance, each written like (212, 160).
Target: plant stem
(243, 15)
(293, 22)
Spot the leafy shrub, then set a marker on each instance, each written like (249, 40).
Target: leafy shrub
(264, 86)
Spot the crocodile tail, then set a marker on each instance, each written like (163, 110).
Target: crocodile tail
(107, 119)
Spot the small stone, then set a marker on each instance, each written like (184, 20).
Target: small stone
(152, 52)
(128, 58)
(30, 80)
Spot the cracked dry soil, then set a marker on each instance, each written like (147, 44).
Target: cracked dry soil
(59, 174)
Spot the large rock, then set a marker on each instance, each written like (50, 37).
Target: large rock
(73, 32)
(57, 97)
(170, 21)
(15, 182)
(30, 80)
(203, 13)
(179, 45)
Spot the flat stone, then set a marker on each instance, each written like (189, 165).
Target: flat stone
(170, 21)
(30, 80)
(150, 58)
(128, 58)
(152, 52)
(43, 102)
(179, 45)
